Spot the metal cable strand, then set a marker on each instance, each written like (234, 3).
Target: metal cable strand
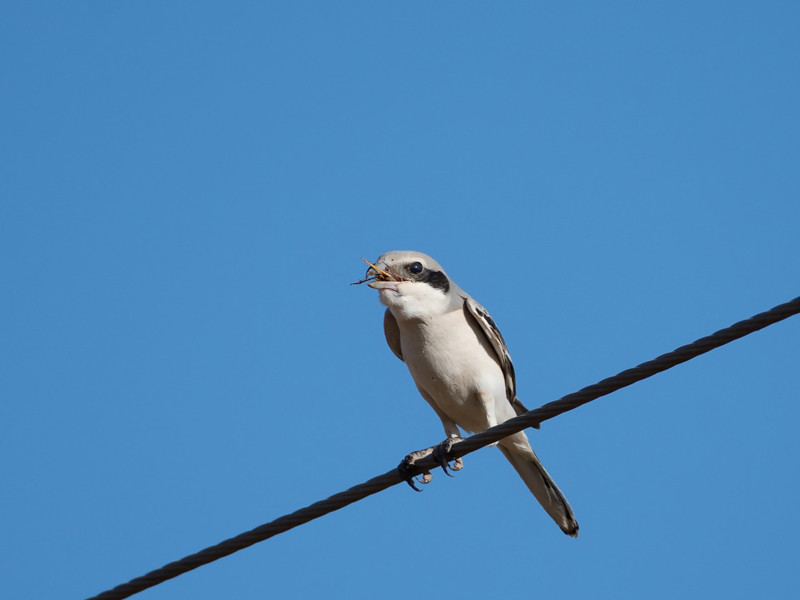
(259, 534)
(530, 419)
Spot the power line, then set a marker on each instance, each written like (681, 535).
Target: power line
(530, 419)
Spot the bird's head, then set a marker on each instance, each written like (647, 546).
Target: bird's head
(411, 284)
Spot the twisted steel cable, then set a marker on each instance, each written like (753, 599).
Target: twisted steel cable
(530, 419)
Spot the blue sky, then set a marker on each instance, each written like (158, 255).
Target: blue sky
(187, 189)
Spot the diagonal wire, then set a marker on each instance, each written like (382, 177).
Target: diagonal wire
(530, 419)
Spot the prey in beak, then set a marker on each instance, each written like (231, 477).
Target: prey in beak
(376, 277)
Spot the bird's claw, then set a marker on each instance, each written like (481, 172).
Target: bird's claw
(441, 452)
(426, 478)
(405, 467)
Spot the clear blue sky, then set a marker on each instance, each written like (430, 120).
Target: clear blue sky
(185, 192)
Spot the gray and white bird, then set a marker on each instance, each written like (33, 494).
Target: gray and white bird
(460, 363)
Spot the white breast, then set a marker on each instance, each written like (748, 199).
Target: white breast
(450, 358)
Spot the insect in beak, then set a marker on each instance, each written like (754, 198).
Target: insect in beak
(375, 273)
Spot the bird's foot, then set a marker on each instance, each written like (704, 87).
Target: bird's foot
(441, 452)
(405, 468)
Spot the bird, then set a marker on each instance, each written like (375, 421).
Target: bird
(460, 364)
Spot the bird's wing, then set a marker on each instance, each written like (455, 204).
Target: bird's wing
(489, 328)
(392, 332)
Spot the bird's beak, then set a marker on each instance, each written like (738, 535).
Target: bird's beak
(381, 277)
(377, 278)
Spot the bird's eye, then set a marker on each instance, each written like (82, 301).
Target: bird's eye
(415, 268)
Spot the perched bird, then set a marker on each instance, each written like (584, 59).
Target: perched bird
(460, 363)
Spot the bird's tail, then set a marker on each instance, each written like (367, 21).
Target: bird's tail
(544, 488)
